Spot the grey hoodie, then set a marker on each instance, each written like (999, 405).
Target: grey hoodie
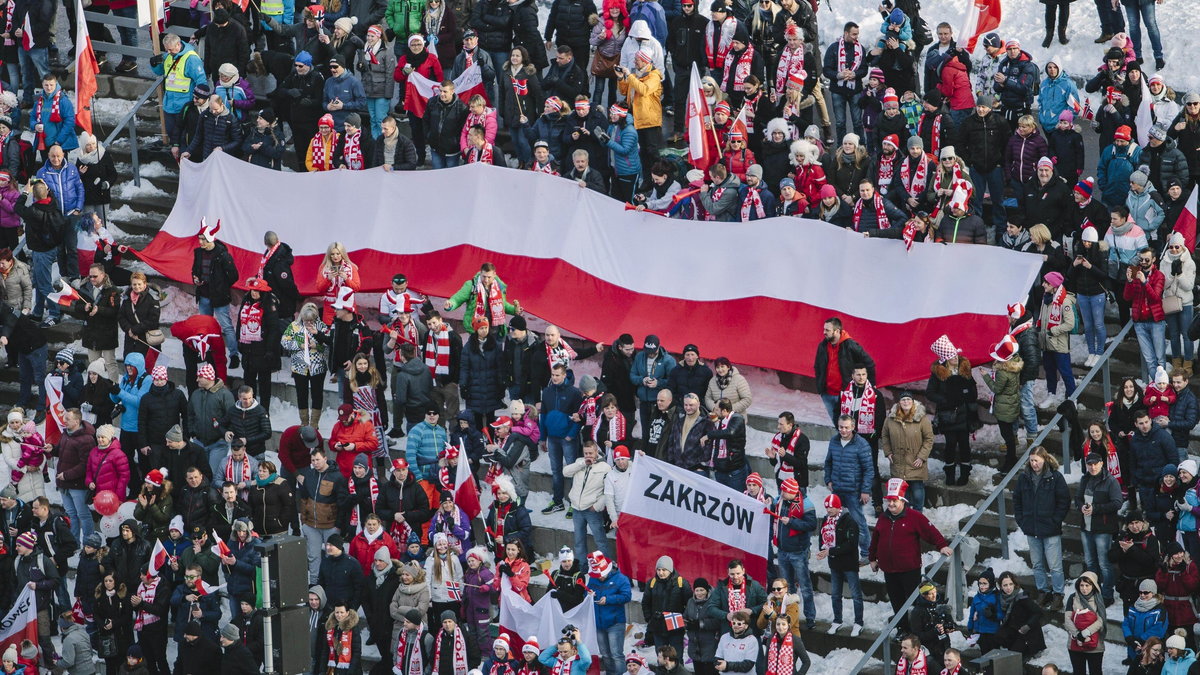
(316, 630)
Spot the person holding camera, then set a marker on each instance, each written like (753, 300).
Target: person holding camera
(570, 656)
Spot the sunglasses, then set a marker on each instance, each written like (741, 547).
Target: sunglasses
(778, 588)
(1145, 593)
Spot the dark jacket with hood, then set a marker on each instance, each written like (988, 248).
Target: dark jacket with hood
(125, 558)
(1021, 75)
(222, 274)
(481, 377)
(668, 595)
(162, 408)
(252, 424)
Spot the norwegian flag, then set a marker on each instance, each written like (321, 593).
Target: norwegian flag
(202, 588)
(81, 617)
(158, 557)
(673, 620)
(454, 590)
(1082, 110)
(521, 87)
(220, 548)
(26, 33)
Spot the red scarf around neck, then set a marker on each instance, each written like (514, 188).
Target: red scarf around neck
(935, 140)
(736, 595)
(829, 532)
(352, 152)
(341, 648)
(752, 204)
(917, 667)
(489, 303)
(781, 654)
(322, 154)
(616, 429)
(437, 351)
(560, 354)
(357, 518)
(844, 64)
(791, 62)
(460, 652)
(717, 61)
(882, 221)
(741, 70)
(866, 407)
(409, 663)
(914, 183)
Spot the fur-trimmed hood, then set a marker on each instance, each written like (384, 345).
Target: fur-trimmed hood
(1013, 365)
(918, 412)
(778, 124)
(806, 151)
(942, 371)
(348, 623)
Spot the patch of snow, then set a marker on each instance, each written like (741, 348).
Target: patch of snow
(150, 170)
(126, 214)
(111, 110)
(840, 661)
(1016, 564)
(129, 190)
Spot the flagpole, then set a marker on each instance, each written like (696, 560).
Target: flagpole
(156, 47)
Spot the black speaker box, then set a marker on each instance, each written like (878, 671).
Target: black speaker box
(284, 574)
(290, 653)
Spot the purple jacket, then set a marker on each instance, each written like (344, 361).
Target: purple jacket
(1021, 155)
(8, 215)
(477, 602)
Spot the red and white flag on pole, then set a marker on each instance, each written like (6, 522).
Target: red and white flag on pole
(697, 115)
(158, 557)
(86, 69)
(20, 623)
(55, 410)
(420, 89)
(64, 293)
(466, 493)
(741, 124)
(26, 33)
(219, 547)
(1144, 118)
(203, 588)
(982, 16)
(1186, 223)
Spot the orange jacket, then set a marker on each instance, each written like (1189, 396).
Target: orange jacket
(361, 433)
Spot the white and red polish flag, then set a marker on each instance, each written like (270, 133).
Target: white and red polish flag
(545, 620)
(581, 239)
(982, 16)
(56, 412)
(1186, 223)
(420, 89)
(158, 557)
(219, 547)
(697, 521)
(20, 622)
(695, 117)
(86, 69)
(466, 492)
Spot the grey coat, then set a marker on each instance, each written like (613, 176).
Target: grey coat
(77, 657)
(377, 78)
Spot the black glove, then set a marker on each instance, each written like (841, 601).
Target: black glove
(989, 612)
(156, 60)
(554, 593)
(292, 93)
(505, 569)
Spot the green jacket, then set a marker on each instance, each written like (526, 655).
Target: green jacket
(403, 17)
(1006, 385)
(466, 297)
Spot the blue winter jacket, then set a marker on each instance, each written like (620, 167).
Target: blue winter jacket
(349, 89)
(559, 402)
(240, 575)
(1179, 666)
(623, 141)
(427, 440)
(1187, 518)
(578, 667)
(849, 468)
(796, 535)
(1143, 625)
(906, 33)
(617, 591)
(57, 133)
(1112, 174)
(662, 368)
(1021, 76)
(655, 17)
(193, 69)
(1146, 212)
(1054, 97)
(986, 613)
(1185, 415)
(131, 390)
(1150, 453)
(65, 183)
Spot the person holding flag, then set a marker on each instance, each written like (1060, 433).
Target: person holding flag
(150, 607)
(194, 600)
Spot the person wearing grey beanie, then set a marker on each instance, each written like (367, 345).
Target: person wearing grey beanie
(665, 592)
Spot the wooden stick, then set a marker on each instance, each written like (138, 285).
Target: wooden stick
(156, 47)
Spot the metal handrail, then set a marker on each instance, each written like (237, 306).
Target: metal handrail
(133, 137)
(884, 639)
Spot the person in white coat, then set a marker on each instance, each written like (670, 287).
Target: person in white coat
(640, 39)
(616, 482)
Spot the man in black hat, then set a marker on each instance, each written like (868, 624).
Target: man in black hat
(718, 37)
(651, 373)
(1099, 499)
(198, 654)
(740, 63)
(525, 364)
(690, 376)
(343, 94)
(340, 575)
(483, 59)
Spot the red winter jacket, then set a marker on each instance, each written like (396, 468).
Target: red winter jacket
(1146, 298)
(955, 85)
(362, 434)
(738, 161)
(1178, 584)
(293, 453)
(900, 539)
(364, 551)
(109, 470)
(809, 178)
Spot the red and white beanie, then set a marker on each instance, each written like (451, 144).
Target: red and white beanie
(1005, 349)
(1016, 311)
(754, 479)
(599, 565)
(531, 645)
(790, 485)
(156, 477)
(503, 641)
(944, 349)
(896, 489)
(637, 658)
(890, 98)
(833, 501)
(159, 374)
(345, 299)
(892, 140)
(207, 371)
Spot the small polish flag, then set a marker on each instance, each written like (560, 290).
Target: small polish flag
(1186, 223)
(220, 548)
(466, 493)
(64, 293)
(27, 34)
(203, 588)
(158, 557)
(81, 617)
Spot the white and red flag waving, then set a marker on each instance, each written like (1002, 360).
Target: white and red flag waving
(982, 16)
(1186, 223)
(695, 119)
(55, 410)
(158, 557)
(203, 588)
(697, 521)
(20, 623)
(64, 293)
(466, 492)
(219, 547)
(86, 69)
(420, 89)
(545, 620)
(26, 33)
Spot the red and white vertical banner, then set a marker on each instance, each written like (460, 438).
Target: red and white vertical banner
(697, 521)
(466, 492)
(20, 623)
(86, 69)
(696, 116)
(1186, 224)
(55, 410)
(546, 619)
(982, 16)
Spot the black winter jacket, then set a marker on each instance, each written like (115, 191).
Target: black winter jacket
(222, 274)
(686, 379)
(195, 504)
(252, 424)
(850, 353)
(565, 82)
(481, 378)
(216, 131)
(278, 275)
(685, 41)
(273, 508)
(405, 158)
(1041, 502)
(100, 330)
(525, 34)
(1106, 500)
(44, 224)
(492, 20)
(1167, 162)
(664, 595)
(341, 577)
(983, 140)
(409, 499)
(734, 435)
(443, 123)
(1050, 204)
(162, 408)
(98, 180)
(569, 18)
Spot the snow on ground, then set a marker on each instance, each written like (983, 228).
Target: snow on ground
(129, 191)
(124, 214)
(1056, 651)
(110, 110)
(151, 170)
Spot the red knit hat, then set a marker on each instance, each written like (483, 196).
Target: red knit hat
(890, 98)
(833, 502)
(1123, 133)
(156, 477)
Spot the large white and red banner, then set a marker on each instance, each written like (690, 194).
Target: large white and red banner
(697, 521)
(546, 619)
(420, 88)
(20, 623)
(55, 410)
(755, 292)
(982, 16)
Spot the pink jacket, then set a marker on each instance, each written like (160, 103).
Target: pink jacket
(109, 470)
(8, 215)
(527, 427)
(487, 119)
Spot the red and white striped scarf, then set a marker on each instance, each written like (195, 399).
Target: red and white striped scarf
(547, 168)
(55, 111)
(736, 595)
(887, 168)
(935, 140)
(409, 663)
(587, 410)
(952, 671)
(740, 68)
(909, 235)
(437, 352)
(477, 155)
(1110, 453)
(829, 532)
(780, 451)
(880, 213)
(717, 61)
(262, 263)
(400, 529)
(1055, 316)
(866, 407)
(337, 276)
(146, 592)
(780, 654)
(250, 319)
(560, 354)
(914, 183)
(341, 648)
(721, 447)
(352, 152)
(356, 518)
(489, 303)
(563, 666)
(200, 344)
(752, 204)
(917, 667)
(791, 62)
(460, 652)
(843, 64)
(404, 333)
(322, 156)
(716, 197)
(372, 52)
(616, 429)
(232, 477)
(9, 10)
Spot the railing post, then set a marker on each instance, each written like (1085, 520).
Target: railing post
(1066, 449)
(887, 653)
(133, 149)
(1002, 513)
(954, 581)
(1107, 380)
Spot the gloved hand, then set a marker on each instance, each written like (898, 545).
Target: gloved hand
(1182, 507)
(156, 60)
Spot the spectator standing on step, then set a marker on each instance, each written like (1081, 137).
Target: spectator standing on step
(1098, 499)
(837, 354)
(1040, 504)
(849, 472)
(896, 545)
(213, 274)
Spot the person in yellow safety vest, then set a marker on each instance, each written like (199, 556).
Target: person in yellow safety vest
(184, 69)
(283, 12)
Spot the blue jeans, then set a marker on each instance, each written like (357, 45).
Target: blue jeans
(34, 64)
(439, 161)
(1091, 307)
(916, 495)
(76, 505)
(32, 372)
(1046, 555)
(794, 567)
(1152, 340)
(734, 480)
(611, 641)
(560, 450)
(957, 116)
(833, 406)
(840, 103)
(129, 36)
(582, 520)
(1177, 333)
(225, 319)
(217, 452)
(1144, 8)
(378, 108)
(1095, 558)
(1028, 409)
(1056, 364)
(1111, 21)
(854, 508)
(836, 578)
(991, 182)
(523, 139)
(43, 265)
